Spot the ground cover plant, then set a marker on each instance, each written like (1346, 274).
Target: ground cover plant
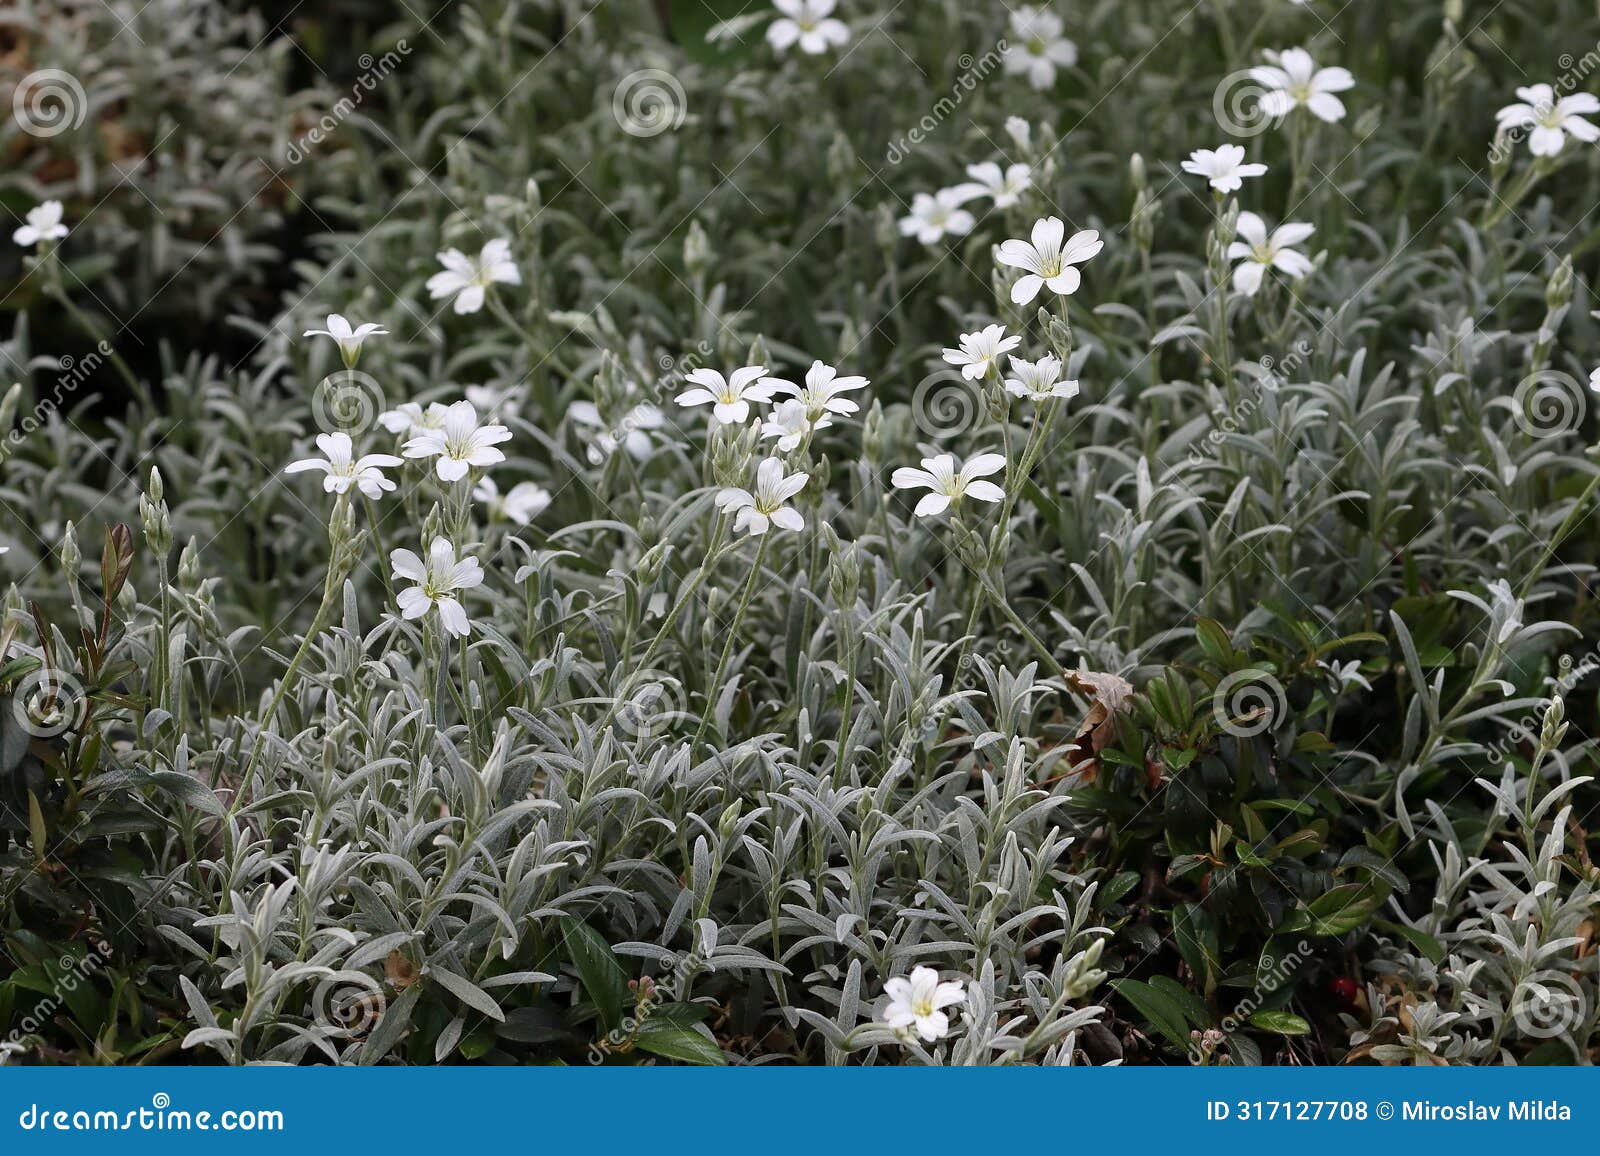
(817, 532)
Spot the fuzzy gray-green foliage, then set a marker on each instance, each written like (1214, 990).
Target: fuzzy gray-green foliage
(314, 831)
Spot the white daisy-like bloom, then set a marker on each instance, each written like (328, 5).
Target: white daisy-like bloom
(790, 422)
(1549, 121)
(469, 278)
(343, 469)
(1046, 262)
(437, 582)
(44, 224)
(525, 501)
(949, 485)
(766, 507)
(730, 396)
(349, 339)
(1039, 380)
(920, 1001)
(824, 390)
(988, 180)
(1258, 252)
(1037, 47)
(809, 23)
(459, 444)
(981, 351)
(1223, 167)
(410, 419)
(632, 433)
(934, 216)
(1293, 80)
(491, 401)
(1594, 379)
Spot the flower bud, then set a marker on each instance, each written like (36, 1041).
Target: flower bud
(71, 556)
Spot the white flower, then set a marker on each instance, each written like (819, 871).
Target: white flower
(1038, 47)
(344, 469)
(810, 22)
(823, 391)
(1020, 132)
(1039, 380)
(1223, 167)
(980, 351)
(919, 1001)
(1551, 120)
(1257, 252)
(766, 506)
(632, 433)
(931, 217)
(730, 396)
(468, 278)
(1005, 187)
(1046, 262)
(436, 584)
(1594, 380)
(523, 504)
(790, 423)
(940, 475)
(410, 419)
(459, 444)
(491, 401)
(1294, 80)
(44, 224)
(349, 339)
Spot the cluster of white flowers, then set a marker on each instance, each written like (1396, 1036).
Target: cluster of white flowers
(452, 437)
(934, 216)
(804, 410)
(1048, 260)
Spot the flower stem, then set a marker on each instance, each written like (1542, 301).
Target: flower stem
(727, 648)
